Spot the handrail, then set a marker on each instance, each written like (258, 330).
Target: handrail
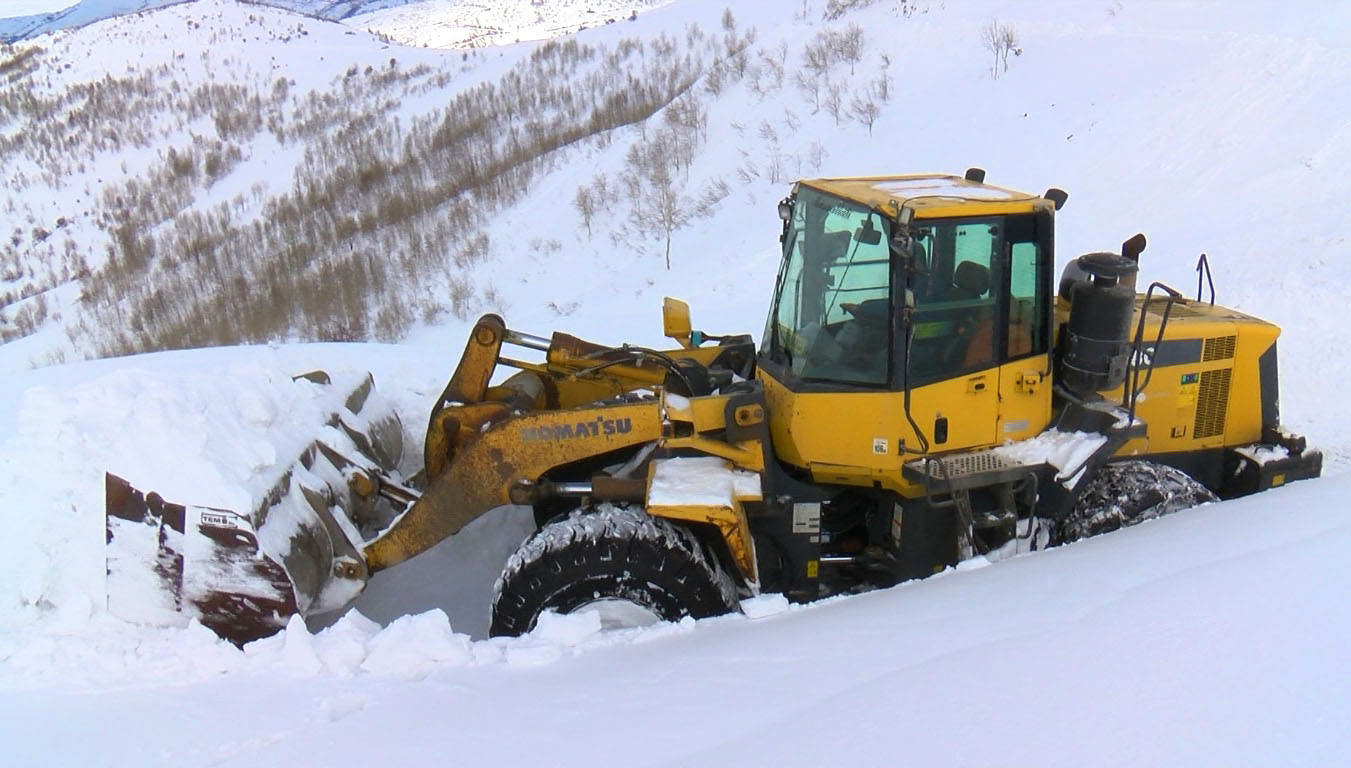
(1131, 394)
(1203, 271)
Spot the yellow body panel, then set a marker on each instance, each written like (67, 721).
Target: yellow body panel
(856, 438)
(1215, 387)
(1024, 398)
(850, 437)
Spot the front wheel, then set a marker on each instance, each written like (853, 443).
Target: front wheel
(629, 567)
(1128, 492)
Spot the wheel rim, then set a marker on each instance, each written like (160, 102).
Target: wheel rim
(620, 614)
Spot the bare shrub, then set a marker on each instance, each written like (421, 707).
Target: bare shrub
(833, 103)
(1000, 40)
(816, 155)
(837, 8)
(865, 110)
(585, 203)
(710, 199)
(658, 207)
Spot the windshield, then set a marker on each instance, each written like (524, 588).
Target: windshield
(831, 319)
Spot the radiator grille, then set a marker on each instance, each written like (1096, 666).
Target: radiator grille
(1212, 403)
(1218, 348)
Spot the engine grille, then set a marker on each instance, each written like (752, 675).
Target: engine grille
(1218, 348)
(1212, 403)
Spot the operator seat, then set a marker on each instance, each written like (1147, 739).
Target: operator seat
(972, 279)
(974, 345)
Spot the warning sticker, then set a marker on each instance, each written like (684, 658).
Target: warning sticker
(807, 517)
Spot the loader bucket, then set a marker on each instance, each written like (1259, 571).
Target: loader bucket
(244, 573)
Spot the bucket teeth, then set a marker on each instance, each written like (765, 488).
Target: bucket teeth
(243, 575)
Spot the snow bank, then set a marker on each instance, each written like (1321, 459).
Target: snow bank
(215, 428)
(412, 647)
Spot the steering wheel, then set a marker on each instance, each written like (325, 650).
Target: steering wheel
(865, 337)
(869, 311)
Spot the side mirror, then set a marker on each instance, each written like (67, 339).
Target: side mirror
(868, 234)
(675, 321)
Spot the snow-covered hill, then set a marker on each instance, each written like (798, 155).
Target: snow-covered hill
(461, 24)
(1216, 637)
(436, 23)
(26, 19)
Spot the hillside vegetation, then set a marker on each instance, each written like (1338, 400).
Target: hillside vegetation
(201, 200)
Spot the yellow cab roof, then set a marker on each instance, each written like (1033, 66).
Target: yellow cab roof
(931, 195)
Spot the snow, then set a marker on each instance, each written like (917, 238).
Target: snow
(1213, 637)
(1263, 454)
(677, 405)
(23, 19)
(762, 606)
(414, 646)
(1150, 646)
(1066, 451)
(912, 188)
(700, 481)
(474, 24)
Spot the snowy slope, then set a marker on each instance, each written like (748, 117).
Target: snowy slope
(468, 24)
(481, 23)
(25, 19)
(1216, 637)
(29, 19)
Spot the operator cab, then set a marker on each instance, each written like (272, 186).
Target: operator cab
(906, 284)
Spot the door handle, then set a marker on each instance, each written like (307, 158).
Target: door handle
(976, 384)
(1029, 382)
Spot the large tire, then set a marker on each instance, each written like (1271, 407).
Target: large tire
(1129, 492)
(607, 556)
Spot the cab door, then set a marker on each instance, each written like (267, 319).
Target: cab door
(1025, 354)
(954, 376)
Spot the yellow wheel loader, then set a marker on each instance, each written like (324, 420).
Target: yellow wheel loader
(925, 391)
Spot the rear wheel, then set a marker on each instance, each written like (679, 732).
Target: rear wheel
(1129, 492)
(631, 568)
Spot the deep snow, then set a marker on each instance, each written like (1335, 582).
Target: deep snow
(1215, 637)
(1218, 636)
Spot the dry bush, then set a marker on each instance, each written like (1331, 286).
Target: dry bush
(380, 213)
(1000, 40)
(837, 8)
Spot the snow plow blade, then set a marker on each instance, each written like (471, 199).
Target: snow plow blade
(243, 574)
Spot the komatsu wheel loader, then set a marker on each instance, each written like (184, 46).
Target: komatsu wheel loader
(924, 391)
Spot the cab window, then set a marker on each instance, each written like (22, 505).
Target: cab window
(832, 314)
(957, 270)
